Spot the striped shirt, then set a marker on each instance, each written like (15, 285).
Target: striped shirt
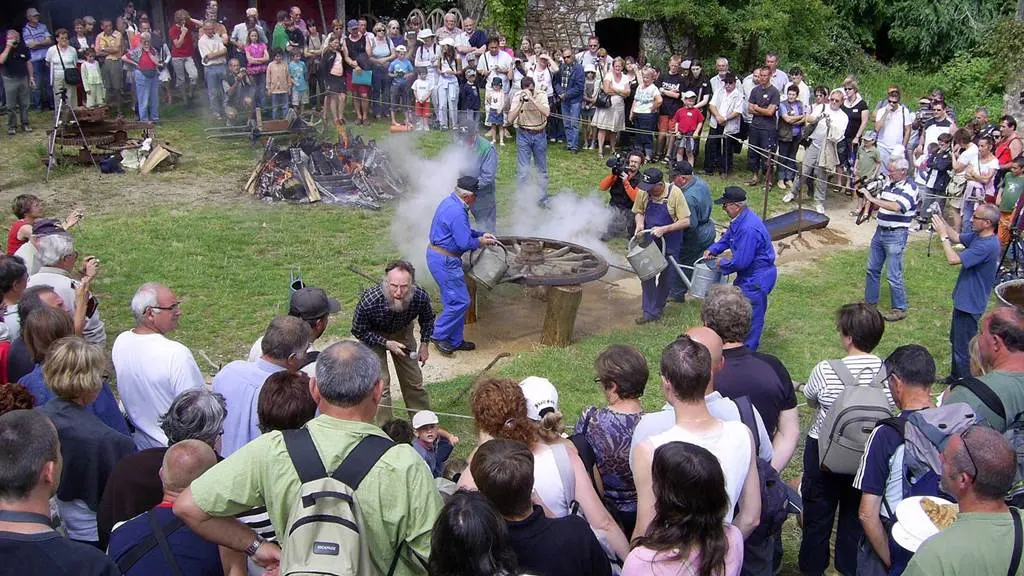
(824, 386)
(905, 195)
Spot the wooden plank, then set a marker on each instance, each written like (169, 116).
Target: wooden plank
(560, 317)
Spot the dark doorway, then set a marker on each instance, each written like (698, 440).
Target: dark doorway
(619, 36)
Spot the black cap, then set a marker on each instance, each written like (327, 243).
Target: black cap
(468, 183)
(312, 303)
(732, 194)
(45, 227)
(651, 178)
(682, 168)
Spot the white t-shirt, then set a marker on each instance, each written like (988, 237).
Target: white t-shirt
(968, 157)
(986, 168)
(151, 371)
(542, 80)
(728, 103)
(643, 99)
(836, 125)
(30, 255)
(548, 483)
(732, 446)
(69, 55)
(210, 45)
(890, 133)
(495, 66)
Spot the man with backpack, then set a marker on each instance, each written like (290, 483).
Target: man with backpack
(373, 514)
(889, 471)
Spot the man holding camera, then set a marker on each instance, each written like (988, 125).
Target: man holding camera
(978, 262)
(18, 76)
(621, 185)
(896, 211)
(237, 87)
(893, 122)
(531, 110)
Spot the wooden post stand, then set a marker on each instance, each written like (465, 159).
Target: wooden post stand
(471, 313)
(560, 317)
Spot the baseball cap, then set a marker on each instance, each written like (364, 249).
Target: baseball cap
(312, 303)
(732, 194)
(541, 397)
(651, 178)
(423, 418)
(468, 183)
(352, 24)
(682, 167)
(31, 12)
(45, 227)
(870, 135)
(689, 94)
(589, 68)
(401, 49)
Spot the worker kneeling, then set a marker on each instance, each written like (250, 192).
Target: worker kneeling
(661, 212)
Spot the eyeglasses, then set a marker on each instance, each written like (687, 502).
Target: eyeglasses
(175, 306)
(836, 100)
(963, 440)
(593, 46)
(848, 88)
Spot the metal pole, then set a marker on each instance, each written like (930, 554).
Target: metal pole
(767, 189)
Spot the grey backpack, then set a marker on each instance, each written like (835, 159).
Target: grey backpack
(850, 420)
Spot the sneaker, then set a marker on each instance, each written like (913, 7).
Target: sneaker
(754, 181)
(819, 208)
(11, 132)
(26, 128)
(894, 315)
(781, 185)
(788, 197)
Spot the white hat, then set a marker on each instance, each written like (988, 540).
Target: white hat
(424, 34)
(540, 396)
(423, 418)
(588, 67)
(689, 94)
(401, 49)
(446, 42)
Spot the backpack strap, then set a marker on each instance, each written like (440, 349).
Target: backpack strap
(1018, 543)
(303, 454)
(361, 460)
(565, 471)
(879, 377)
(161, 533)
(746, 409)
(984, 393)
(842, 372)
(139, 551)
(899, 425)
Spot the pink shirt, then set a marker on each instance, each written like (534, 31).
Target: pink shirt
(646, 562)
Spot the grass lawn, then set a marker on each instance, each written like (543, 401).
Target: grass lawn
(229, 258)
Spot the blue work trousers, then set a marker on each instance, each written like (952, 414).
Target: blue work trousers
(887, 247)
(571, 111)
(962, 328)
(756, 290)
(532, 148)
(485, 209)
(447, 272)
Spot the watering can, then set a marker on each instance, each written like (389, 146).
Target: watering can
(295, 282)
(704, 276)
(488, 265)
(647, 261)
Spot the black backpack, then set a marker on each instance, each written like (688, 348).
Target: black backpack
(774, 496)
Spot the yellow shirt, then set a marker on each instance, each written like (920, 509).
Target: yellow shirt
(677, 206)
(110, 43)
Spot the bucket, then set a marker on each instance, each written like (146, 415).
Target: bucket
(647, 261)
(1011, 293)
(488, 265)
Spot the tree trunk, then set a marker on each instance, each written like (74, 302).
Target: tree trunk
(471, 287)
(339, 10)
(560, 317)
(1013, 99)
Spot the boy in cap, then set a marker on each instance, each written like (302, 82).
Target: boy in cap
(685, 123)
(660, 215)
(469, 99)
(867, 166)
(433, 443)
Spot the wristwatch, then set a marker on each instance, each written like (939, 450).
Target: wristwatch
(251, 549)
(946, 239)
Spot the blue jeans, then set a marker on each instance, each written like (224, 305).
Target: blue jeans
(887, 247)
(214, 75)
(644, 140)
(42, 96)
(571, 111)
(764, 140)
(967, 215)
(485, 209)
(962, 328)
(147, 97)
(381, 94)
(826, 495)
(279, 105)
(532, 147)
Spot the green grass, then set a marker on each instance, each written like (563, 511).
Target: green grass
(229, 258)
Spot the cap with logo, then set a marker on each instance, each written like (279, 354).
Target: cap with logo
(682, 168)
(650, 178)
(424, 418)
(31, 12)
(541, 397)
(869, 135)
(732, 194)
(312, 303)
(689, 94)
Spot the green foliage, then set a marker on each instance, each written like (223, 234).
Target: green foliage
(1005, 48)
(507, 16)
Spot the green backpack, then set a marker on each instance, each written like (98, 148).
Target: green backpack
(325, 527)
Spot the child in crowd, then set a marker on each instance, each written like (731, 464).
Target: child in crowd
(590, 88)
(867, 166)
(496, 111)
(421, 94)
(300, 87)
(685, 122)
(433, 443)
(28, 208)
(92, 80)
(469, 98)
(278, 85)
(791, 119)
(401, 72)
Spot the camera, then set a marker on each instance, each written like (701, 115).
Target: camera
(616, 163)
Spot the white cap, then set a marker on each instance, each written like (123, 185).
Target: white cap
(446, 42)
(401, 49)
(425, 33)
(689, 94)
(541, 395)
(588, 67)
(423, 418)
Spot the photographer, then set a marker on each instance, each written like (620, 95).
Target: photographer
(621, 185)
(18, 78)
(238, 89)
(893, 122)
(530, 109)
(978, 263)
(896, 209)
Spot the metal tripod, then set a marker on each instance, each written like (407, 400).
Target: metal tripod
(51, 148)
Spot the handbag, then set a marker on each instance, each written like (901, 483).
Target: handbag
(362, 77)
(72, 76)
(603, 100)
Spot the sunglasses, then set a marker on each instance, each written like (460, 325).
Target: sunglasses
(836, 100)
(974, 465)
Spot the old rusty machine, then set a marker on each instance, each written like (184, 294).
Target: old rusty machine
(88, 128)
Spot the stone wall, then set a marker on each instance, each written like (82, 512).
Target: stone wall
(560, 23)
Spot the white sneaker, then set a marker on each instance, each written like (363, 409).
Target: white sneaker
(819, 208)
(788, 197)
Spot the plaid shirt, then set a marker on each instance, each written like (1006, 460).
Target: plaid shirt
(374, 317)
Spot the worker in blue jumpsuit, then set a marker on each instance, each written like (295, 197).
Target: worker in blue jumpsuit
(450, 236)
(753, 257)
(661, 213)
(484, 168)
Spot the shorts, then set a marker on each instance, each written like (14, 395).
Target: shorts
(356, 89)
(300, 97)
(665, 124)
(423, 109)
(184, 67)
(685, 142)
(494, 118)
(336, 84)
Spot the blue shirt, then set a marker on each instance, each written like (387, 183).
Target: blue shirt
(702, 229)
(398, 69)
(240, 383)
(450, 228)
(104, 406)
(978, 266)
(195, 556)
(297, 70)
(37, 34)
(751, 246)
(436, 456)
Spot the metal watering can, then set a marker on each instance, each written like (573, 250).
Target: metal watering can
(488, 265)
(647, 261)
(704, 276)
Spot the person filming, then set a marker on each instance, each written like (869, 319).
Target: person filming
(622, 185)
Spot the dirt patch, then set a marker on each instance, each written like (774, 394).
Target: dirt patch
(799, 251)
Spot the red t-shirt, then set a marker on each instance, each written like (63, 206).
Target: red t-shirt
(146, 62)
(187, 48)
(12, 237)
(688, 119)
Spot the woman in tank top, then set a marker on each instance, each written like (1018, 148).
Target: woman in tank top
(357, 57)
(382, 52)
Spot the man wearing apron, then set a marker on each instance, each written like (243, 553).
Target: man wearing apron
(450, 237)
(753, 257)
(661, 214)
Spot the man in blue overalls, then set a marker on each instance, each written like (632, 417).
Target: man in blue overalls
(753, 257)
(485, 170)
(450, 236)
(660, 214)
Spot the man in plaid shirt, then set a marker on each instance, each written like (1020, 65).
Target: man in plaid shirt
(383, 321)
